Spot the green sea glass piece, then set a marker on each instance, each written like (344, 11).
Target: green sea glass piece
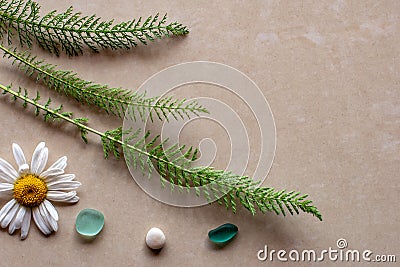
(223, 233)
(89, 222)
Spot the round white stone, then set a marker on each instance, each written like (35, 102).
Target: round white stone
(155, 238)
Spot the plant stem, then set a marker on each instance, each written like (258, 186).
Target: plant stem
(96, 132)
(82, 126)
(242, 187)
(74, 87)
(73, 31)
(79, 31)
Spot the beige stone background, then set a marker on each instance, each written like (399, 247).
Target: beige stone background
(330, 72)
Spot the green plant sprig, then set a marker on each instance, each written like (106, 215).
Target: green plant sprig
(71, 31)
(240, 188)
(112, 100)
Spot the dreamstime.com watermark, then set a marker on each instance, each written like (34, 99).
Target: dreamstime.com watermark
(341, 254)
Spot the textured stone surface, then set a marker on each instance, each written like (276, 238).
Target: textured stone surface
(155, 238)
(330, 71)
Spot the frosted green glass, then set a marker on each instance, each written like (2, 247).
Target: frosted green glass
(89, 222)
(223, 233)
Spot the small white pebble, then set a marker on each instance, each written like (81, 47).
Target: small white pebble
(155, 238)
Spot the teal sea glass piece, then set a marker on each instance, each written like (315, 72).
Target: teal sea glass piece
(223, 233)
(89, 222)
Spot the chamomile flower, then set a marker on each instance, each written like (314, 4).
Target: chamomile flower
(32, 189)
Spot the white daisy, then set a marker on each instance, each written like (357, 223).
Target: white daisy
(31, 189)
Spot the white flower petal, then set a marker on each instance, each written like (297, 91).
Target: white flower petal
(7, 172)
(6, 208)
(61, 163)
(18, 154)
(12, 228)
(74, 199)
(13, 223)
(24, 168)
(53, 223)
(36, 154)
(19, 217)
(63, 185)
(39, 158)
(40, 223)
(26, 223)
(10, 215)
(51, 172)
(48, 220)
(43, 215)
(62, 177)
(6, 188)
(51, 209)
(57, 196)
(43, 160)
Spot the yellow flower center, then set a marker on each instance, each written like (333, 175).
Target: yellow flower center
(30, 190)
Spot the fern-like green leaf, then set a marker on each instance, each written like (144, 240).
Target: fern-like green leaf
(49, 114)
(112, 100)
(174, 164)
(71, 31)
